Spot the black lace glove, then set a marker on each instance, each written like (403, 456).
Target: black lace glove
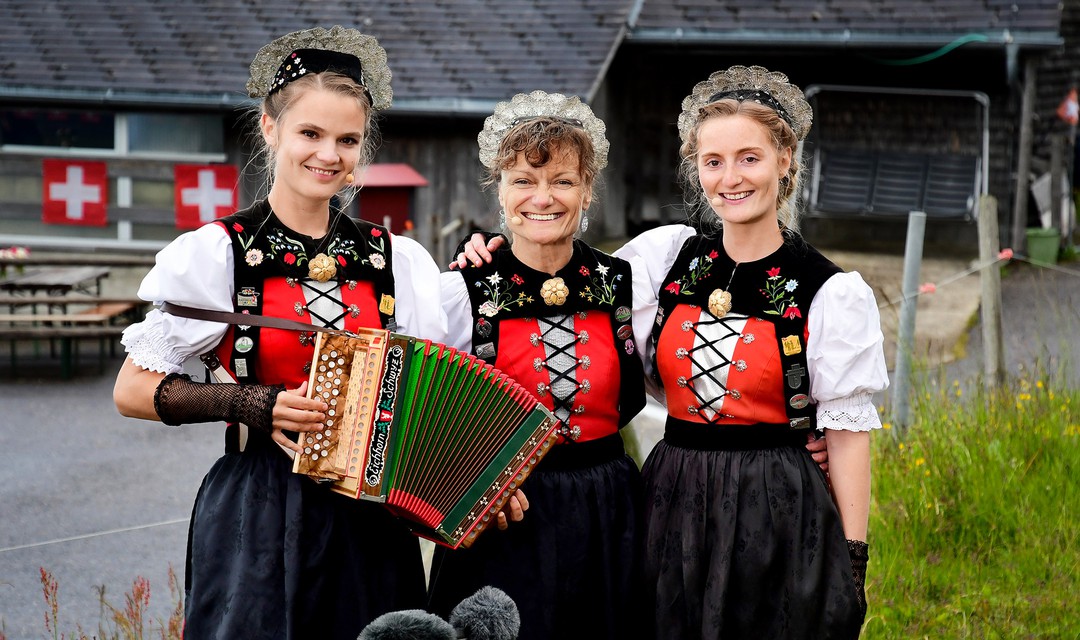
(859, 552)
(178, 400)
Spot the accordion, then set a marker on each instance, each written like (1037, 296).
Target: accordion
(439, 436)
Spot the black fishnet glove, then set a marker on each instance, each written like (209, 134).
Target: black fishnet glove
(178, 400)
(859, 552)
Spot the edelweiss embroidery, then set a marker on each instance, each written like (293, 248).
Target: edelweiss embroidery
(599, 289)
(291, 251)
(499, 294)
(699, 270)
(781, 294)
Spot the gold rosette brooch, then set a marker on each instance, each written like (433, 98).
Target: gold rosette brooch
(321, 268)
(554, 291)
(719, 303)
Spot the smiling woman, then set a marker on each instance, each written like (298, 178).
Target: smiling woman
(272, 554)
(555, 314)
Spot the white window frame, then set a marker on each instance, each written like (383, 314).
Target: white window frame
(120, 149)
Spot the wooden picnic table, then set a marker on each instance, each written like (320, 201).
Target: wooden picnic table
(57, 280)
(78, 260)
(73, 298)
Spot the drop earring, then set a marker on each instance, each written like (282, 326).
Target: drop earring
(584, 220)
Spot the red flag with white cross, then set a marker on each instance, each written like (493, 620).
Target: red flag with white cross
(74, 192)
(204, 193)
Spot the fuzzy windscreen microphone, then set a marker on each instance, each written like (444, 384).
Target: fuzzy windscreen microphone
(488, 614)
(411, 624)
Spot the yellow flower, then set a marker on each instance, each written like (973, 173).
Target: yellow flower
(920, 462)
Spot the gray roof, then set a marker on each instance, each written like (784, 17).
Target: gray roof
(1033, 23)
(447, 56)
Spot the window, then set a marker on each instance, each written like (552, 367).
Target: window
(103, 134)
(57, 128)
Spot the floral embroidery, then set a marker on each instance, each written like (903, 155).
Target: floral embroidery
(781, 294)
(291, 251)
(499, 294)
(599, 289)
(378, 245)
(699, 270)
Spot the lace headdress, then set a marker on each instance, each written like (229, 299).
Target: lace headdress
(338, 49)
(754, 84)
(527, 106)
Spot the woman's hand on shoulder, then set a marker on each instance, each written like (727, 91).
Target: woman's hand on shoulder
(477, 251)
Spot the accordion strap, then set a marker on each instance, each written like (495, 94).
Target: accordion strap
(231, 317)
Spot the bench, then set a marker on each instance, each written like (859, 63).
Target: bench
(100, 321)
(871, 183)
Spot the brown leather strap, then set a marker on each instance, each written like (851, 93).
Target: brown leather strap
(230, 317)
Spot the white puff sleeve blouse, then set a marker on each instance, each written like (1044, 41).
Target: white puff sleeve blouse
(196, 270)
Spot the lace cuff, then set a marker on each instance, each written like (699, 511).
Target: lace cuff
(853, 413)
(150, 350)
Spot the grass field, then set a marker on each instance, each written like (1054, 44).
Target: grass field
(975, 512)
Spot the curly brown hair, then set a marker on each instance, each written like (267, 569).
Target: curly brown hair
(541, 140)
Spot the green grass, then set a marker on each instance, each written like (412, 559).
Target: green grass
(975, 514)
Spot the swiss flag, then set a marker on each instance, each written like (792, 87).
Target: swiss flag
(204, 193)
(75, 192)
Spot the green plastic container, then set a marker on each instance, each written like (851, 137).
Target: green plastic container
(1042, 245)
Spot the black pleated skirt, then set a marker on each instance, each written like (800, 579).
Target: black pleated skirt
(272, 554)
(744, 543)
(572, 565)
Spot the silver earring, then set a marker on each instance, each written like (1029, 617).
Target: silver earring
(502, 217)
(584, 220)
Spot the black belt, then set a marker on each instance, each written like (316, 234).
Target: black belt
(570, 455)
(726, 437)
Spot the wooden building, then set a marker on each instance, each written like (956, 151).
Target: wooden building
(919, 104)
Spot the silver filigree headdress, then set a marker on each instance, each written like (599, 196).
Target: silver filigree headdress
(527, 106)
(339, 49)
(754, 84)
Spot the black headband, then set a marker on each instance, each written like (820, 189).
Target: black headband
(570, 121)
(310, 61)
(755, 95)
